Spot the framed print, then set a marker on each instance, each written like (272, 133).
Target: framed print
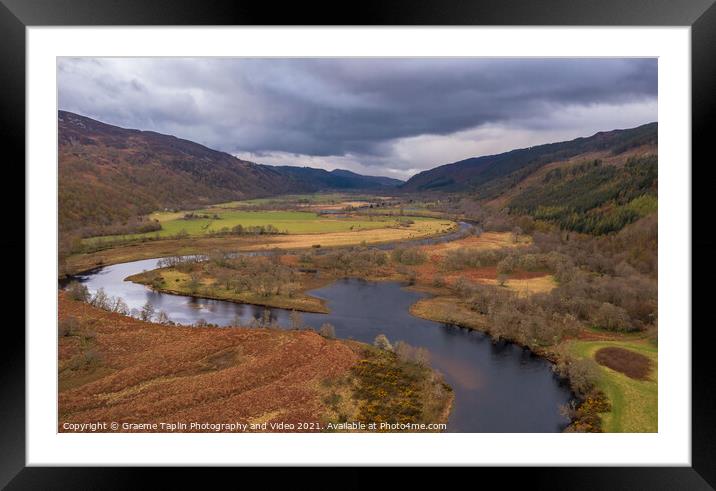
(455, 235)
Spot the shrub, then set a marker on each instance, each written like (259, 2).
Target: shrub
(463, 258)
(409, 256)
(332, 399)
(78, 291)
(194, 283)
(612, 318)
(582, 375)
(412, 354)
(507, 265)
(381, 341)
(502, 279)
(68, 326)
(92, 358)
(327, 331)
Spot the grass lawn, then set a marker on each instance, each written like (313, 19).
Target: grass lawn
(634, 402)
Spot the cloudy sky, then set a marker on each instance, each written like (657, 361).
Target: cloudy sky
(379, 116)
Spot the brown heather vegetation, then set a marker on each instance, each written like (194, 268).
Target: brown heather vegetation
(630, 363)
(117, 368)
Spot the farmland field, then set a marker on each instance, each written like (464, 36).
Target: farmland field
(291, 222)
(287, 223)
(224, 217)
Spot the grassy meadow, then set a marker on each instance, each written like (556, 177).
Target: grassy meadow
(288, 222)
(634, 402)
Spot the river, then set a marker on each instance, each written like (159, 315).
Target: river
(499, 387)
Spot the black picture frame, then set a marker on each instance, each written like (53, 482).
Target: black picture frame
(700, 15)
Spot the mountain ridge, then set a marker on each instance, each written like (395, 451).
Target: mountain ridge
(339, 178)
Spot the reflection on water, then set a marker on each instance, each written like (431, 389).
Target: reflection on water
(499, 387)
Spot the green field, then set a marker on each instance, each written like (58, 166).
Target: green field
(289, 222)
(634, 402)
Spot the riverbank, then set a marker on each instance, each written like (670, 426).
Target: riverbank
(116, 368)
(169, 280)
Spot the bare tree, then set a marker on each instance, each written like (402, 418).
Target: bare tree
(100, 299)
(193, 283)
(147, 312)
(266, 318)
(163, 318)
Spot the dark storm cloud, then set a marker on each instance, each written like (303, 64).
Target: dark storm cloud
(356, 107)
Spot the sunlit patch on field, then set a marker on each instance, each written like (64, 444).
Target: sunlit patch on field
(486, 240)
(524, 286)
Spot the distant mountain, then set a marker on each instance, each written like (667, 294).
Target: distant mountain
(474, 172)
(109, 174)
(337, 179)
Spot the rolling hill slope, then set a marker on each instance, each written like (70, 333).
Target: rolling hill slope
(109, 174)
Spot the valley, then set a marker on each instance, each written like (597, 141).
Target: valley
(544, 254)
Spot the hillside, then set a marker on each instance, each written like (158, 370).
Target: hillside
(116, 368)
(109, 175)
(471, 173)
(594, 185)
